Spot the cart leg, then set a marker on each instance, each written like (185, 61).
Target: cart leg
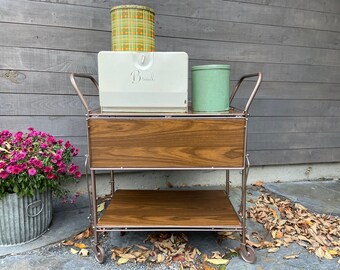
(112, 181)
(98, 249)
(99, 253)
(227, 182)
(245, 173)
(247, 252)
(89, 191)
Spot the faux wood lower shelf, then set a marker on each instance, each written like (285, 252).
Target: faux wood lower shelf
(170, 209)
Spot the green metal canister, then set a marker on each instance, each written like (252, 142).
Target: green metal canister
(133, 28)
(210, 88)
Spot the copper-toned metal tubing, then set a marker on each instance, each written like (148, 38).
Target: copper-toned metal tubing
(251, 98)
(227, 182)
(94, 207)
(243, 203)
(112, 181)
(75, 86)
(221, 229)
(89, 192)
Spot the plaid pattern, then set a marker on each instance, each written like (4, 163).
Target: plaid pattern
(133, 28)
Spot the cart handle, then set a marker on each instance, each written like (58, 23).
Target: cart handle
(75, 86)
(251, 98)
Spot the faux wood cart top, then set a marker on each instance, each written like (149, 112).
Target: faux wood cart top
(167, 141)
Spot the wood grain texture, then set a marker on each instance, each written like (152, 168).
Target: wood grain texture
(47, 60)
(64, 38)
(327, 6)
(285, 140)
(293, 108)
(56, 14)
(51, 37)
(293, 125)
(32, 104)
(55, 125)
(217, 30)
(36, 82)
(245, 12)
(166, 143)
(295, 156)
(176, 209)
(247, 52)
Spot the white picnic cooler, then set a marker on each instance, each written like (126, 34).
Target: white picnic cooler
(143, 81)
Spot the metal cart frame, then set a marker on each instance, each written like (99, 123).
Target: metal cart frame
(234, 114)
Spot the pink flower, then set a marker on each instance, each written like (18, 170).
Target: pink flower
(77, 174)
(73, 168)
(48, 169)
(9, 169)
(21, 155)
(74, 151)
(50, 175)
(4, 174)
(44, 145)
(18, 137)
(16, 170)
(2, 164)
(67, 145)
(32, 171)
(50, 139)
(37, 163)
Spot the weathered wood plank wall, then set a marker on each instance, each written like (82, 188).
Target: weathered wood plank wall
(295, 43)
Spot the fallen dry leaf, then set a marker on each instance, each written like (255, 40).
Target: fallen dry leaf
(127, 256)
(289, 257)
(289, 222)
(67, 243)
(122, 261)
(85, 234)
(80, 245)
(273, 250)
(328, 256)
(217, 261)
(320, 253)
(160, 258)
(332, 252)
(74, 251)
(101, 207)
(258, 184)
(84, 252)
(141, 247)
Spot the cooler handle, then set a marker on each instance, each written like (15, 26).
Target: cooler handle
(75, 86)
(251, 98)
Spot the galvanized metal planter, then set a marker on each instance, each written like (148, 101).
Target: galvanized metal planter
(24, 219)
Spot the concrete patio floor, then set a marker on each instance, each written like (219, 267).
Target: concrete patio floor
(46, 252)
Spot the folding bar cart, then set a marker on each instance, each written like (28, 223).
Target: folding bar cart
(168, 141)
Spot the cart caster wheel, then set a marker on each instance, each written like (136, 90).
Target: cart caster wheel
(99, 253)
(248, 254)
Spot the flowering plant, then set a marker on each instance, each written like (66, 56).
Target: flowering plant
(35, 161)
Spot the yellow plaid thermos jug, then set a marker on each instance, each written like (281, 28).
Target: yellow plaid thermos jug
(133, 28)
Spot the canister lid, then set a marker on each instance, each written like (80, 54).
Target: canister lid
(210, 67)
(132, 7)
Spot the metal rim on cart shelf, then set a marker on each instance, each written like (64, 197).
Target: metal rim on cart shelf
(99, 253)
(248, 254)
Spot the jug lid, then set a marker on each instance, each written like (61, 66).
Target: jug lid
(133, 7)
(210, 67)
